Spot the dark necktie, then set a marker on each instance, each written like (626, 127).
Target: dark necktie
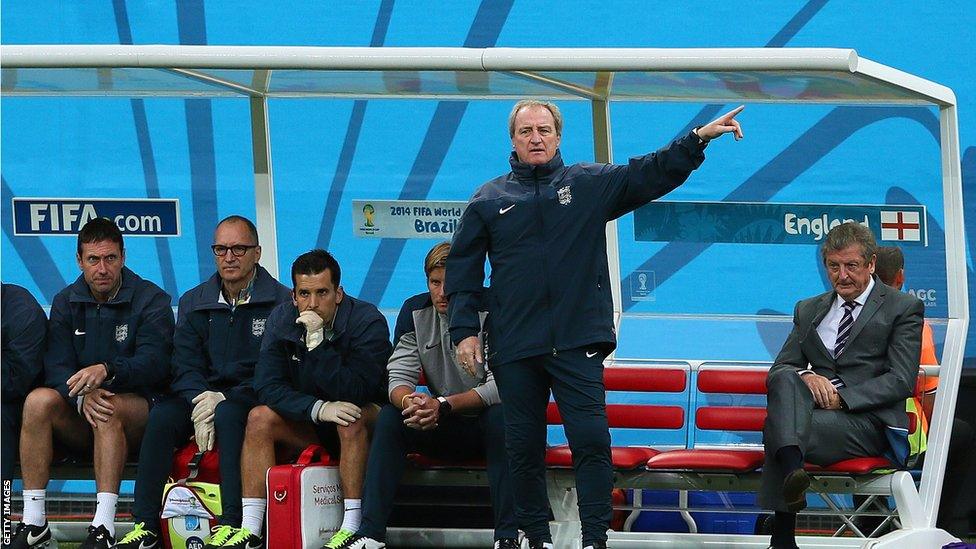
(844, 328)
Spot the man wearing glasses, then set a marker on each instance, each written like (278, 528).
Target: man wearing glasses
(218, 337)
(108, 351)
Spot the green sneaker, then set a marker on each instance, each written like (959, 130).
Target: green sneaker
(243, 539)
(140, 538)
(340, 539)
(219, 535)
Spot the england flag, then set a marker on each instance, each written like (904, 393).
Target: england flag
(900, 225)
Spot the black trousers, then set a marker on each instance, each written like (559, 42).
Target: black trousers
(824, 436)
(456, 437)
(576, 380)
(168, 428)
(11, 437)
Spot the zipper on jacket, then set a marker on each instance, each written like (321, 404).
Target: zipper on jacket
(545, 264)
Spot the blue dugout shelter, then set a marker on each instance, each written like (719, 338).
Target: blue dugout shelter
(603, 78)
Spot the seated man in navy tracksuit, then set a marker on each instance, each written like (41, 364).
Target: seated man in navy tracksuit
(320, 377)
(216, 345)
(24, 328)
(108, 350)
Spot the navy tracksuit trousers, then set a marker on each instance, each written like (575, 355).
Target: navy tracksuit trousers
(11, 436)
(168, 428)
(457, 437)
(576, 380)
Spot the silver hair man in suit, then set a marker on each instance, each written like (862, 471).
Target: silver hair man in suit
(838, 387)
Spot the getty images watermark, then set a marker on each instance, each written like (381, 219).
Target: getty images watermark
(7, 530)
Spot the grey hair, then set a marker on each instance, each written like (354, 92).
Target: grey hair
(557, 116)
(847, 234)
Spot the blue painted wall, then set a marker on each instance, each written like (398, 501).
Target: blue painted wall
(327, 153)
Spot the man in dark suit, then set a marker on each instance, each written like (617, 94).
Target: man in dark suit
(838, 387)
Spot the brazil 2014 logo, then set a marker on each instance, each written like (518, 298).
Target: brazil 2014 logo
(369, 214)
(369, 224)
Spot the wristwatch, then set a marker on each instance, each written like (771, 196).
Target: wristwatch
(701, 142)
(109, 372)
(445, 406)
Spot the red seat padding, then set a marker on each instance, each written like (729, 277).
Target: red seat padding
(739, 382)
(739, 461)
(636, 416)
(855, 465)
(650, 380)
(622, 457)
(427, 462)
(730, 418)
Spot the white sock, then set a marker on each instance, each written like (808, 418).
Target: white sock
(253, 514)
(352, 514)
(105, 511)
(34, 513)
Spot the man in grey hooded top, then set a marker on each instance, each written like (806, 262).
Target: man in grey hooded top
(460, 418)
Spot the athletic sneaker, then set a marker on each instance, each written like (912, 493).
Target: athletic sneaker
(139, 538)
(356, 541)
(27, 536)
(98, 538)
(507, 543)
(243, 539)
(219, 535)
(340, 540)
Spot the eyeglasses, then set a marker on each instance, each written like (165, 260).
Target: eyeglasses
(238, 250)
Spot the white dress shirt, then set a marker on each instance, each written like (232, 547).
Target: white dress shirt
(828, 326)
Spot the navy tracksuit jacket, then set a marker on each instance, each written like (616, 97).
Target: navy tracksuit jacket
(543, 230)
(133, 332)
(216, 348)
(351, 368)
(23, 332)
(550, 320)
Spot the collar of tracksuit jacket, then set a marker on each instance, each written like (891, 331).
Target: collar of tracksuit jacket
(530, 173)
(264, 291)
(81, 293)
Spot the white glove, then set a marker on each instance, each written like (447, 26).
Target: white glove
(313, 328)
(203, 432)
(206, 406)
(342, 413)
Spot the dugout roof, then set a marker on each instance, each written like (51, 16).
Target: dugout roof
(601, 76)
(787, 75)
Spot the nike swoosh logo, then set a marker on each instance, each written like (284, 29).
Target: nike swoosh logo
(590, 355)
(432, 345)
(295, 358)
(144, 545)
(503, 211)
(31, 539)
(79, 333)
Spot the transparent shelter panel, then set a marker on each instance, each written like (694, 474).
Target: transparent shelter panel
(458, 84)
(830, 87)
(127, 82)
